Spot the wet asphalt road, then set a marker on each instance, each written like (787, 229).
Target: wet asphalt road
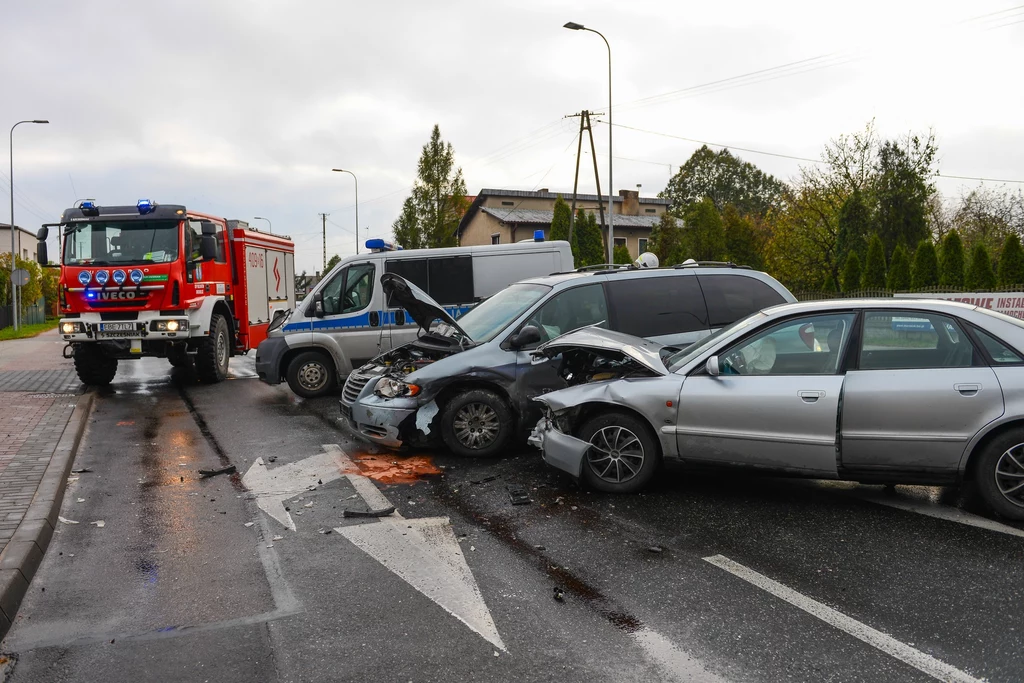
(175, 587)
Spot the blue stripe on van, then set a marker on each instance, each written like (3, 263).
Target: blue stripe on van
(359, 320)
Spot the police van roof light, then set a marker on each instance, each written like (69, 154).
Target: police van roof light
(538, 235)
(145, 206)
(380, 245)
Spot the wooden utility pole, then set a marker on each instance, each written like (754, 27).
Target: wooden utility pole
(585, 125)
(323, 221)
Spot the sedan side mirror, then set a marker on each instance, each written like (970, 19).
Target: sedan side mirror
(526, 336)
(712, 367)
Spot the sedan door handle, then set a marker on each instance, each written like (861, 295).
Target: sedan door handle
(810, 396)
(968, 389)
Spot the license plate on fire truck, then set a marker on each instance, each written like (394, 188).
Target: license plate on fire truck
(117, 327)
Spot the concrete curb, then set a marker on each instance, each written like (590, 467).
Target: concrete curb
(24, 552)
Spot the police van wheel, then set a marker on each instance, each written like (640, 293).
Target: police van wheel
(94, 368)
(311, 375)
(476, 424)
(214, 352)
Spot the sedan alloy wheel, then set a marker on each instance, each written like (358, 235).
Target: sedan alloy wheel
(616, 454)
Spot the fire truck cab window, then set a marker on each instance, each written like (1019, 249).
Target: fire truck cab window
(350, 290)
(101, 243)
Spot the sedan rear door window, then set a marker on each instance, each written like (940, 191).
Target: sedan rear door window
(904, 340)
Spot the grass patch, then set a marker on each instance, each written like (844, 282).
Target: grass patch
(26, 331)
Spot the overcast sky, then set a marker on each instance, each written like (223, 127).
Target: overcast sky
(240, 108)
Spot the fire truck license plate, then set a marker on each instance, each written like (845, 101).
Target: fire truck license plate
(117, 327)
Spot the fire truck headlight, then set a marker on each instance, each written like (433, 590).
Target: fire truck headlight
(169, 325)
(172, 325)
(68, 328)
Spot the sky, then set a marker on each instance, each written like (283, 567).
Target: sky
(241, 108)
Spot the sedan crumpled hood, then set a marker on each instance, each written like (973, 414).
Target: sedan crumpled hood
(421, 307)
(645, 352)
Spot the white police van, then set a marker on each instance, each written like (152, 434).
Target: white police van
(344, 320)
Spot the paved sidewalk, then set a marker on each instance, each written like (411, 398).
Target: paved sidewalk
(39, 430)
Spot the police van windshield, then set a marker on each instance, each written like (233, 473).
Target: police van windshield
(106, 243)
(484, 322)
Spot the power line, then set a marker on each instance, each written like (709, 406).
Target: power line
(718, 144)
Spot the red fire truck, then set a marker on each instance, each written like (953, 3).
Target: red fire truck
(162, 280)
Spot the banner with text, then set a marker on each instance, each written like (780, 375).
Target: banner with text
(1008, 303)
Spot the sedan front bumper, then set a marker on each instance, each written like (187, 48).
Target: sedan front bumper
(558, 449)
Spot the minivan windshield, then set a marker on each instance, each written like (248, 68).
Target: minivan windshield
(681, 358)
(484, 322)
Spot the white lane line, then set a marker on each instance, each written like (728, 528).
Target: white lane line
(928, 509)
(670, 659)
(887, 644)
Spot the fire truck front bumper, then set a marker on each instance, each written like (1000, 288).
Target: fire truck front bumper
(151, 326)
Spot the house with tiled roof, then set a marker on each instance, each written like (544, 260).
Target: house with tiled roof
(503, 216)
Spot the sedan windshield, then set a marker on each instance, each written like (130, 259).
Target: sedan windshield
(678, 360)
(105, 243)
(484, 322)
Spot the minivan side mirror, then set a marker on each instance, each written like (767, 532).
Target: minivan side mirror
(712, 367)
(526, 336)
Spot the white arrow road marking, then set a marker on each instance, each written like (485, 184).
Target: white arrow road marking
(423, 552)
(886, 643)
(272, 487)
(427, 556)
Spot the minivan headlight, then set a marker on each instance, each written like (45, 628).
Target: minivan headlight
(393, 388)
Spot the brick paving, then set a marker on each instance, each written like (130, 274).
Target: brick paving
(38, 392)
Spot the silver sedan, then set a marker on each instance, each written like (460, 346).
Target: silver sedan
(881, 391)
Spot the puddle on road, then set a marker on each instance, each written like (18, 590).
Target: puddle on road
(394, 469)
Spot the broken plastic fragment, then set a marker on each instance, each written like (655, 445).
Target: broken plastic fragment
(249, 524)
(230, 469)
(81, 500)
(277, 538)
(308, 505)
(559, 594)
(99, 523)
(81, 470)
(67, 521)
(383, 512)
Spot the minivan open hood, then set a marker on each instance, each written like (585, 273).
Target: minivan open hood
(644, 352)
(424, 310)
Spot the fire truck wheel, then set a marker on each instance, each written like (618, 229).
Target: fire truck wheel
(93, 367)
(214, 352)
(311, 374)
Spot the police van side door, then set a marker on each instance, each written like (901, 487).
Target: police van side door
(349, 315)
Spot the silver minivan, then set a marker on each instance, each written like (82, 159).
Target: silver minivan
(472, 381)
(346, 320)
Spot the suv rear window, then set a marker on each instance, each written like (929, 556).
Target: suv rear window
(731, 297)
(653, 306)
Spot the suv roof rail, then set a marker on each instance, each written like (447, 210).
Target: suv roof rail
(709, 264)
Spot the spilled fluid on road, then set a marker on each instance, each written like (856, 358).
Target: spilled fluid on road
(388, 468)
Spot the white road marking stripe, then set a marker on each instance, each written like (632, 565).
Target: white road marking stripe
(949, 514)
(887, 644)
(673, 661)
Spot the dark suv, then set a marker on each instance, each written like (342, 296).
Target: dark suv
(473, 382)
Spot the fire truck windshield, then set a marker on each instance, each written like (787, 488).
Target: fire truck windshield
(107, 243)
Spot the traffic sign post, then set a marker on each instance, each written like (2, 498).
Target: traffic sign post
(21, 277)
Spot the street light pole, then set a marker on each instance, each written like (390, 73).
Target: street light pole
(270, 226)
(611, 185)
(342, 170)
(14, 253)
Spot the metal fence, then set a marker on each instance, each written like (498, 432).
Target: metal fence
(888, 293)
(33, 315)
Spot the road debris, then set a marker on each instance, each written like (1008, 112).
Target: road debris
(308, 505)
(99, 523)
(485, 479)
(83, 470)
(323, 531)
(656, 549)
(559, 594)
(81, 500)
(277, 538)
(66, 520)
(249, 524)
(383, 512)
(539, 547)
(518, 495)
(230, 469)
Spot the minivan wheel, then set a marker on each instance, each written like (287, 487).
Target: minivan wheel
(623, 455)
(1000, 474)
(311, 375)
(476, 424)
